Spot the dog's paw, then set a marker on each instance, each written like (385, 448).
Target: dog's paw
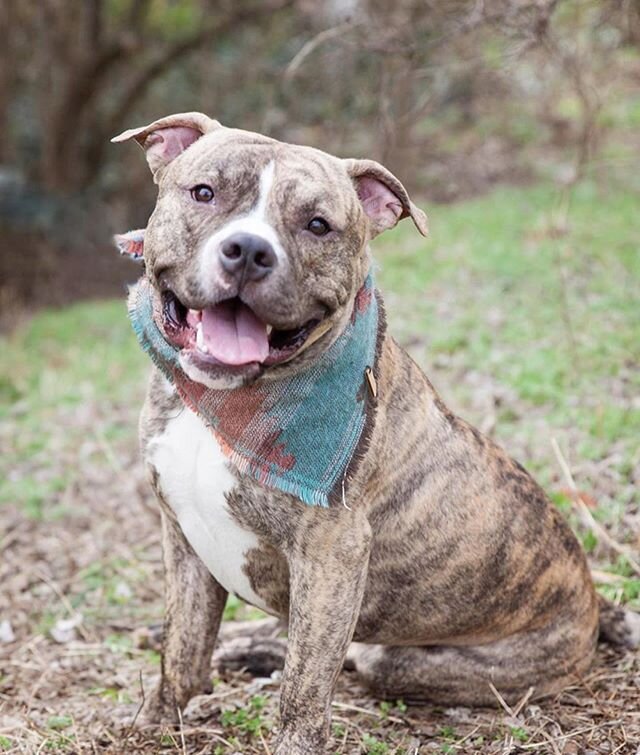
(285, 747)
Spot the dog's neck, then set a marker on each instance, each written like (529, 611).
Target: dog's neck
(298, 434)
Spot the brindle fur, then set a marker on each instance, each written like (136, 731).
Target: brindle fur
(446, 561)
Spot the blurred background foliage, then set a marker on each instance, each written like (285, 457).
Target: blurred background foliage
(454, 97)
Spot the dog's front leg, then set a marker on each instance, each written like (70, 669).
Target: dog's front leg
(328, 568)
(194, 603)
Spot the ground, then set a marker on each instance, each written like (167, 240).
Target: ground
(522, 308)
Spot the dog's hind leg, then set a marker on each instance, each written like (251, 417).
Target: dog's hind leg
(546, 660)
(259, 656)
(255, 646)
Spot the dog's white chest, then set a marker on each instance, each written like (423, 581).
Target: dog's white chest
(194, 480)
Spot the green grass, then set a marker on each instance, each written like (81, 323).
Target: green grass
(70, 355)
(498, 258)
(67, 377)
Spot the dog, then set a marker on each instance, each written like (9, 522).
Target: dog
(304, 462)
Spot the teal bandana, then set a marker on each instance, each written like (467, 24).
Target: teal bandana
(301, 434)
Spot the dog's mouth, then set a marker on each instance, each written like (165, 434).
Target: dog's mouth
(231, 334)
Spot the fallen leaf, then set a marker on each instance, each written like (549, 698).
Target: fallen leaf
(64, 630)
(6, 631)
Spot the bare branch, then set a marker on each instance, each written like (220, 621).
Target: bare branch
(311, 45)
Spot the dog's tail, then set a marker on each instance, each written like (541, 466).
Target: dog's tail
(618, 625)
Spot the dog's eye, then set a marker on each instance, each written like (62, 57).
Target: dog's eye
(202, 193)
(318, 226)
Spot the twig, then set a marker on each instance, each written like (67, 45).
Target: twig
(264, 743)
(523, 701)
(312, 44)
(182, 739)
(375, 714)
(140, 707)
(65, 602)
(586, 516)
(466, 737)
(619, 747)
(552, 741)
(501, 700)
(606, 578)
(606, 724)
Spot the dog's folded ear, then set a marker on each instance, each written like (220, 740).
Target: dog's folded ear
(384, 199)
(131, 244)
(164, 139)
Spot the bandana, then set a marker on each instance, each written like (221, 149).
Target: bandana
(301, 434)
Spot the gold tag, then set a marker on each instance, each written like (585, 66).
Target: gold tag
(371, 381)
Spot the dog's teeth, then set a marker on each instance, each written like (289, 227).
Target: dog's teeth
(200, 339)
(269, 329)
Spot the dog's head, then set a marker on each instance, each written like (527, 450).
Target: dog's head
(258, 248)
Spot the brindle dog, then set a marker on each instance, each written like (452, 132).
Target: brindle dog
(447, 563)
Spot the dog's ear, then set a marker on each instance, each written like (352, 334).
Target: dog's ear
(165, 139)
(131, 244)
(384, 199)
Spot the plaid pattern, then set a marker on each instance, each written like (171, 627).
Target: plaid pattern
(298, 434)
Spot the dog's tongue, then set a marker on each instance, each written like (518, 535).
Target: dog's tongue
(233, 334)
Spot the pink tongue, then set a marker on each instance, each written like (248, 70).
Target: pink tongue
(233, 334)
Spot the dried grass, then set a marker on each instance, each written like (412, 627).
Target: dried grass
(98, 565)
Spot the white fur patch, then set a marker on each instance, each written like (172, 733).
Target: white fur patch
(167, 387)
(194, 479)
(254, 222)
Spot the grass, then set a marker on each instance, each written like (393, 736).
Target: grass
(53, 368)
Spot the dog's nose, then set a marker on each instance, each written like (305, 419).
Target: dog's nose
(247, 256)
